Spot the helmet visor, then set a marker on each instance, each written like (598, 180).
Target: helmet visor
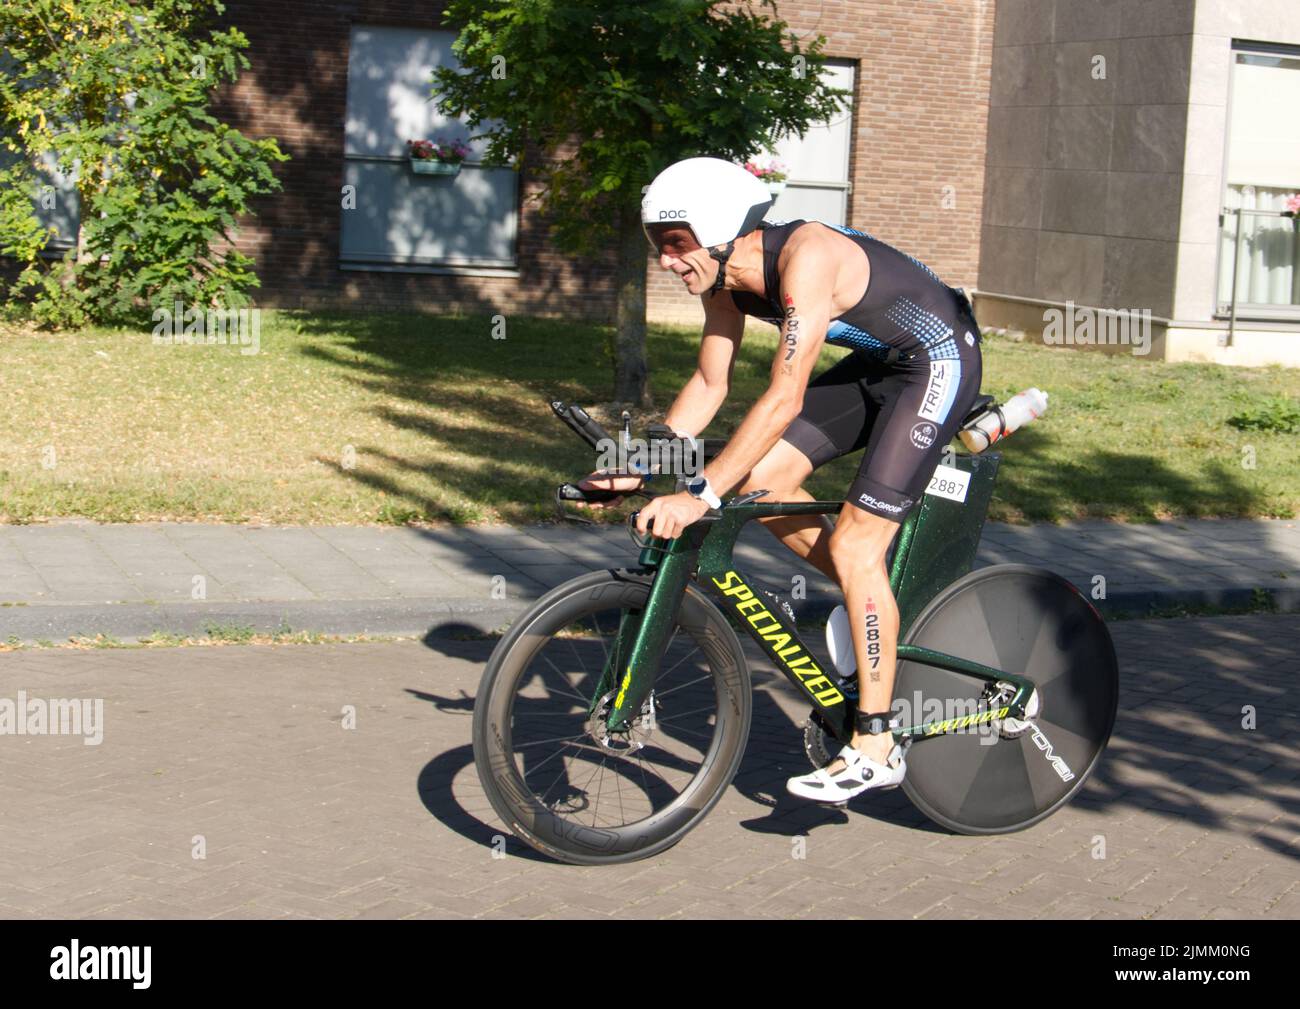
(672, 238)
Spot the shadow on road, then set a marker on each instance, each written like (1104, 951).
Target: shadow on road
(1183, 748)
(773, 753)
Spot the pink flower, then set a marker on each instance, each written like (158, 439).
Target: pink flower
(1293, 204)
(772, 171)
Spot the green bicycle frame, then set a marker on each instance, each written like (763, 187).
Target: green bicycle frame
(936, 545)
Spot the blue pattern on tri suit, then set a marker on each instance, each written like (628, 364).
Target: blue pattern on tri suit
(934, 335)
(905, 318)
(842, 334)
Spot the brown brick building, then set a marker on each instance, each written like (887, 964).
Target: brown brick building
(339, 84)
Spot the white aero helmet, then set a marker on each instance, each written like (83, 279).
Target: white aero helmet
(718, 200)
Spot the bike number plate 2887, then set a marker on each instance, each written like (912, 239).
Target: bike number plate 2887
(949, 482)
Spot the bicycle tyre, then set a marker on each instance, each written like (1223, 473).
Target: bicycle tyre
(1020, 619)
(540, 825)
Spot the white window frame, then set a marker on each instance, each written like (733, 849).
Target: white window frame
(1224, 260)
(395, 263)
(845, 187)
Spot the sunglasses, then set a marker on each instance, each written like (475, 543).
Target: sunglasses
(671, 239)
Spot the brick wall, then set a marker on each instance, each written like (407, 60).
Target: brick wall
(920, 112)
(296, 91)
(920, 116)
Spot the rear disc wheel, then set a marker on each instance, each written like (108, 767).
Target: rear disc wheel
(994, 779)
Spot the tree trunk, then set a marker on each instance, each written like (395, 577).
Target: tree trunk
(629, 338)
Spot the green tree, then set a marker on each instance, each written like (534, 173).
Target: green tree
(607, 93)
(116, 92)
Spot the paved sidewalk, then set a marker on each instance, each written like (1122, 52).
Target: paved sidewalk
(73, 577)
(225, 786)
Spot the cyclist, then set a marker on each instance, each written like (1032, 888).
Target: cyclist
(901, 394)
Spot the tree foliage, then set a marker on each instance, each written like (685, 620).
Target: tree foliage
(116, 93)
(634, 84)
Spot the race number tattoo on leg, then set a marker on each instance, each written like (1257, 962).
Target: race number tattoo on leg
(873, 641)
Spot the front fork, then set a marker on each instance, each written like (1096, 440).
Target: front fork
(643, 635)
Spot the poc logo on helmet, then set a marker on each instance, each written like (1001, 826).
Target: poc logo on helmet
(672, 215)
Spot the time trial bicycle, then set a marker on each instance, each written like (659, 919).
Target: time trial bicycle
(613, 714)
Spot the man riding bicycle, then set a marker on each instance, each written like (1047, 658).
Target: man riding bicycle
(901, 395)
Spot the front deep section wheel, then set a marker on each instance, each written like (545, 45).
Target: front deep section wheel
(1007, 776)
(557, 776)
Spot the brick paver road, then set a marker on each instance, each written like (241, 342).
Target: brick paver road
(241, 751)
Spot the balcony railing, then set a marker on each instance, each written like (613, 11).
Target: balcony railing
(1259, 265)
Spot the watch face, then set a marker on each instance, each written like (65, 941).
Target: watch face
(696, 486)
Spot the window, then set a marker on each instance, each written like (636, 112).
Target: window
(57, 204)
(818, 185)
(402, 220)
(1257, 244)
(54, 202)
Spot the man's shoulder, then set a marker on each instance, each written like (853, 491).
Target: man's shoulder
(812, 242)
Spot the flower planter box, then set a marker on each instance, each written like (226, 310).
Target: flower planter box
(431, 166)
(775, 188)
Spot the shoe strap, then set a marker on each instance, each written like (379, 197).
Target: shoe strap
(857, 763)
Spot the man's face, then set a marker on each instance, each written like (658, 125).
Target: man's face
(678, 251)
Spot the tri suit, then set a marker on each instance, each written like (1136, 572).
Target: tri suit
(903, 392)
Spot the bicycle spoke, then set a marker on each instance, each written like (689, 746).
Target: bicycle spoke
(600, 636)
(665, 693)
(600, 784)
(632, 775)
(691, 732)
(535, 767)
(682, 714)
(564, 679)
(573, 647)
(618, 787)
(563, 773)
(553, 739)
(669, 670)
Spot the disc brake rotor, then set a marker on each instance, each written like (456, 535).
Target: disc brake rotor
(621, 742)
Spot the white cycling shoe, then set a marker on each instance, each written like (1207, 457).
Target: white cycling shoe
(859, 774)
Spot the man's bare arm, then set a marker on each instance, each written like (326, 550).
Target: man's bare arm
(806, 292)
(705, 391)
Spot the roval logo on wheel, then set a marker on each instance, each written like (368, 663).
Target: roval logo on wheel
(923, 435)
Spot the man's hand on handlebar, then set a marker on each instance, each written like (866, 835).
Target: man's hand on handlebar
(671, 513)
(601, 480)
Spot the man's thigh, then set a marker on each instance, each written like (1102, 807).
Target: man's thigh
(782, 471)
(910, 434)
(839, 411)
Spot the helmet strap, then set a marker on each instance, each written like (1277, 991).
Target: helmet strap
(722, 257)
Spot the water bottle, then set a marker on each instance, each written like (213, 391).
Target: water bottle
(989, 427)
(839, 642)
